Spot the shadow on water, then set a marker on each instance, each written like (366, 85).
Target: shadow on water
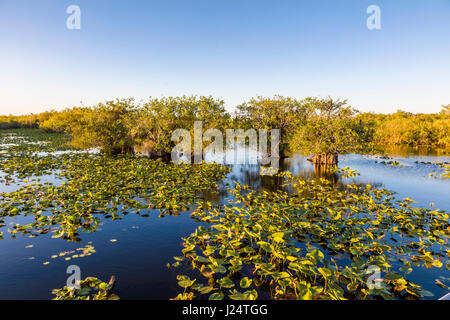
(410, 179)
(250, 174)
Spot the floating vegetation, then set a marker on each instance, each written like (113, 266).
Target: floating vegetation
(32, 142)
(446, 174)
(392, 163)
(348, 173)
(77, 253)
(93, 185)
(314, 239)
(89, 289)
(435, 163)
(443, 165)
(287, 243)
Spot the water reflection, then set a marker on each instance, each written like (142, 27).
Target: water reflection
(408, 151)
(410, 179)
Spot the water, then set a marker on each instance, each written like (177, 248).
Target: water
(146, 244)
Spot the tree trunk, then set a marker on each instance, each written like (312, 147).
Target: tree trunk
(324, 159)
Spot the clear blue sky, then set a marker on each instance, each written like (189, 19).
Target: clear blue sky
(226, 48)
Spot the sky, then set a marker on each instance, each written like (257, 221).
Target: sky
(230, 49)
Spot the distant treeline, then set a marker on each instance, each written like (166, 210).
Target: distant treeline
(27, 121)
(311, 125)
(422, 129)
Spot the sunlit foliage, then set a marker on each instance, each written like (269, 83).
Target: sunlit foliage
(278, 112)
(288, 243)
(330, 129)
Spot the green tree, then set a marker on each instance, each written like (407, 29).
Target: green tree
(159, 118)
(278, 112)
(107, 126)
(330, 129)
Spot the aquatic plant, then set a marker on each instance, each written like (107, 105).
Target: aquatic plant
(87, 186)
(317, 243)
(392, 163)
(90, 288)
(443, 165)
(311, 240)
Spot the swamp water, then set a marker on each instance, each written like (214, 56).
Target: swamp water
(136, 249)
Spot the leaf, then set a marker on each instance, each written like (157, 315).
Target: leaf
(406, 269)
(250, 295)
(225, 282)
(185, 281)
(265, 246)
(245, 282)
(437, 263)
(393, 276)
(316, 254)
(440, 284)
(304, 293)
(278, 236)
(216, 296)
(83, 291)
(103, 286)
(326, 272)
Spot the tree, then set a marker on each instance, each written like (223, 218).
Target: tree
(330, 129)
(278, 112)
(63, 121)
(159, 118)
(107, 126)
